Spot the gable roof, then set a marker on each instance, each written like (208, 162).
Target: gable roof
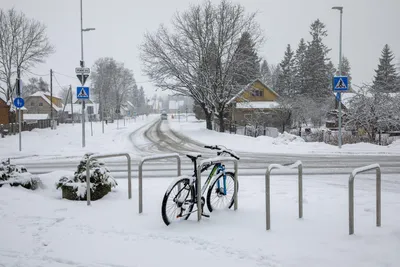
(247, 87)
(43, 95)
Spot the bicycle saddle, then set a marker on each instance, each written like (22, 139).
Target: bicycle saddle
(193, 156)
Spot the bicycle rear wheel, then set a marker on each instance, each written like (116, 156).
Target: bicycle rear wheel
(220, 192)
(178, 201)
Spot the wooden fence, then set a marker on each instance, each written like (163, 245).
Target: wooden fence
(13, 128)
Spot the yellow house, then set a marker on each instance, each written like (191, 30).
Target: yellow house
(254, 102)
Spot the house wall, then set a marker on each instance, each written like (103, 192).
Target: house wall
(267, 95)
(37, 105)
(56, 101)
(3, 112)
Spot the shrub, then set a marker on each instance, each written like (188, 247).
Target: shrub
(15, 175)
(75, 187)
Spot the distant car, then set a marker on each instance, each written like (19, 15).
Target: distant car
(164, 116)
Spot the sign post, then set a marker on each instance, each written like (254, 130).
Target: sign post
(340, 84)
(82, 93)
(19, 103)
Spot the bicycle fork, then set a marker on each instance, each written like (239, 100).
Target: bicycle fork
(223, 191)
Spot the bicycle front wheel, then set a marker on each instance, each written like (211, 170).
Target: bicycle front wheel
(178, 201)
(220, 192)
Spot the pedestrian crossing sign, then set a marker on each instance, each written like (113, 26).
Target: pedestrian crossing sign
(82, 92)
(340, 83)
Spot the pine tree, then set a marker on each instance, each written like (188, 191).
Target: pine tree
(286, 77)
(275, 71)
(317, 83)
(265, 73)
(247, 57)
(299, 68)
(386, 78)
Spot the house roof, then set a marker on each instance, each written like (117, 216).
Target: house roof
(78, 108)
(247, 87)
(35, 117)
(43, 95)
(257, 105)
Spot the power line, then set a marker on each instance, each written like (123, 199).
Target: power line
(42, 75)
(65, 75)
(55, 78)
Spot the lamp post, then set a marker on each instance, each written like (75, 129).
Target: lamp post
(82, 64)
(340, 8)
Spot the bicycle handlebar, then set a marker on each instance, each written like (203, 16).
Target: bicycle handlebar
(223, 149)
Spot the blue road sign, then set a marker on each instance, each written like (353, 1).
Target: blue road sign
(82, 92)
(340, 83)
(19, 102)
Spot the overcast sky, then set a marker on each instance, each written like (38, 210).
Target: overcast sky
(120, 24)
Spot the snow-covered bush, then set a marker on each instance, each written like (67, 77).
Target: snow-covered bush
(15, 175)
(74, 187)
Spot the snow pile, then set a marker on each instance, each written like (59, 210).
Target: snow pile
(15, 175)
(287, 138)
(395, 145)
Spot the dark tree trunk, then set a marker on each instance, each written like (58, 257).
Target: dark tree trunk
(221, 122)
(208, 116)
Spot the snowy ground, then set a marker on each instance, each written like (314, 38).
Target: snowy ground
(40, 229)
(285, 143)
(66, 140)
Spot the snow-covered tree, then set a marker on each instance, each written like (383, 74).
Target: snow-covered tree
(23, 44)
(200, 58)
(300, 68)
(285, 85)
(386, 78)
(35, 85)
(276, 72)
(265, 73)
(317, 82)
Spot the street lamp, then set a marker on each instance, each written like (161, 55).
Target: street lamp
(82, 64)
(340, 8)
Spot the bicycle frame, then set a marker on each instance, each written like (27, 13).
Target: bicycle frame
(215, 170)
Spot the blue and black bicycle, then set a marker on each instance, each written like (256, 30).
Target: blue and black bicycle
(180, 197)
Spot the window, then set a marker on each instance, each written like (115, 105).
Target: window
(257, 93)
(40, 104)
(90, 110)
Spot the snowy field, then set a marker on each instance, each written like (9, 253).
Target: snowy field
(285, 143)
(66, 140)
(38, 228)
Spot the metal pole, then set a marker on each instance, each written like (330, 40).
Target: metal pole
(300, 170)
(267, 199)
(198, 192)
(72, 106)
(340, 74)
(91, 128)
(51, 98)
(82, 65)
(19, 109)
(235, 190)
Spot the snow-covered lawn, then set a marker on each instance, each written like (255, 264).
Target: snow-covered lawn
(285, 143)
(38, 228)
(66, 140)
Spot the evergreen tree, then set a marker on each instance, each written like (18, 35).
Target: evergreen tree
(246, 55)
(317, 83)
(331, 72)
(276, 71)
(286, 76)
(386, 78)
(299, 67)
(265, 73)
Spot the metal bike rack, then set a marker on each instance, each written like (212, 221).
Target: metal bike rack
(198, 179)
(297, 165)
(351, 194)
(153, 158)
(128, 157)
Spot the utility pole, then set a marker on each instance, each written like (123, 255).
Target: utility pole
(340, 74)
(19, 109)
(82, 65)
(72, 106)
(51, 99)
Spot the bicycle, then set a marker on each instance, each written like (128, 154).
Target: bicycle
(219, 182)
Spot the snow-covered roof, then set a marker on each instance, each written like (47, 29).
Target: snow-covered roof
(130, 103)
(78, 108)
(43, 95)
(247, 87)
(257, 105)
(35, 117)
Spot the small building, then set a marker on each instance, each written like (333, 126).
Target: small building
(40, 103)
(5, 116)
(254, 102)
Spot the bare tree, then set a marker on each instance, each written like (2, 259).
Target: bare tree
(201, 58)
(23, 43)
